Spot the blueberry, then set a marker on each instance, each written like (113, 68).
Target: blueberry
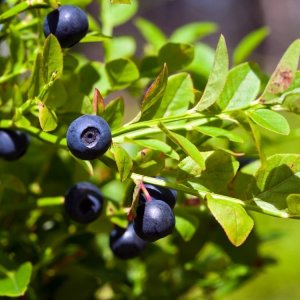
(125, 244)
(13, 144)
(83, 202)
(68, 23)
(154, 220)
(88, 137)
(158, 192)
(245, 160)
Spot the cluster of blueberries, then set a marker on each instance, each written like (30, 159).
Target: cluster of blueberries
(89, 137)
(154, 218)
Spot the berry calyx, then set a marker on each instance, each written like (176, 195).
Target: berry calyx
(83, 202)
(89, 137)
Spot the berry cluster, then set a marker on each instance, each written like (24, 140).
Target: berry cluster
(154, 217)
(88, 138)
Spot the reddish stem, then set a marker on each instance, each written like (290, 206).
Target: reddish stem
(145, 192)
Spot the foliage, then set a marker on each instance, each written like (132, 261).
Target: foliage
(198, 115)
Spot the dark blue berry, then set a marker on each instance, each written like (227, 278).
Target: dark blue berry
(125, 244)
(158, 192)
(244, 160)
(154, 220)
(88, 137)
(83, 202)
(13, 144)
(68, 23)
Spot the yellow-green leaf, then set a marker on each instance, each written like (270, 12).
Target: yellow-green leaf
(233, 218)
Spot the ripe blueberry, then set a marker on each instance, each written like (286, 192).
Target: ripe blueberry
(88, 137)
(68, 23)
(13, 144)
(125, 244)
(158, 192)
(83, 202)
(244, 160)
(154, 220)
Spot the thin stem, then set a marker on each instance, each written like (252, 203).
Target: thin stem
(45, 136)
(147, 128)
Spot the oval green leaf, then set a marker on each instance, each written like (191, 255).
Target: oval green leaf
(15, 283)
(217, 77)
(270, 120)
(233, 218)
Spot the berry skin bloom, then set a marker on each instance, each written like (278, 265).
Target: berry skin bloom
(88, 137)
(68, 23)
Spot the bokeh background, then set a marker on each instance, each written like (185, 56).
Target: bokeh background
(236, 18)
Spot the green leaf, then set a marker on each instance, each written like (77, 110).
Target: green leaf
(47, 117)
(233, 218)
(284, 73)
(270, 120)
(15, 283)
(122, 72)
(276, 181)
(178, 96)
(120, 1)
(86, 165)
(95, 37)
(11, 182)
(248, 44)
(114, 112)
(37, 78)
(203, 60)
(213, 177)
(176, 55)
(189, 167)
(53, 59)
(217, 77)
(20, 7)
(241, 88)
(154, 94)
(186, 224)
(113, 15)
(57, 95)
(219, 132)
(17, 51)
(157, 145)
(151, 33)
(189, 148)
(123, 161)
(192, 32)
(293, 204)
(149, 66)
(119, 47)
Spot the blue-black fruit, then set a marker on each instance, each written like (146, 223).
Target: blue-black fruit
(13, 144)
(83, 202)
(125, 243)
(154, 220)
(244, 161)
(158, 192)
(88, 137)
(68, 23)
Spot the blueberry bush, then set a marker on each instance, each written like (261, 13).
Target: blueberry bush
(99, 203)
